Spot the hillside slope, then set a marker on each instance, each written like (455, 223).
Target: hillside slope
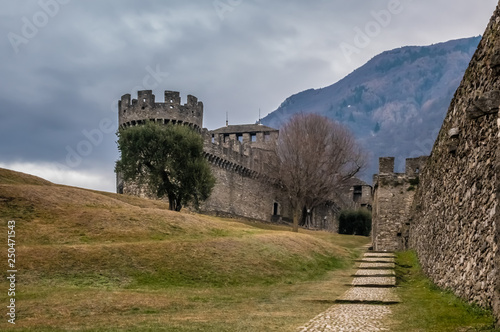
(71, 242)
(395, 103)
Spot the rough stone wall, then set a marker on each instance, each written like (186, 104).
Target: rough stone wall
(246, 195)
(392, 199)
(242, 187)
(455, 214)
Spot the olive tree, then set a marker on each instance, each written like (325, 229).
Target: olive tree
(166, 160)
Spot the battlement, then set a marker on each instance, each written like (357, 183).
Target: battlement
(244, 158)
(386, 165)
(413, 166)
(144, 108)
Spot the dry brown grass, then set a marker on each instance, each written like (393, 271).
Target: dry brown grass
(104, 262)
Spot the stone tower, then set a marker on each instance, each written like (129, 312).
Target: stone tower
(144, 108)
(137, 111)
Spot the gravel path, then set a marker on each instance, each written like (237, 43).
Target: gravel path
(365, 305)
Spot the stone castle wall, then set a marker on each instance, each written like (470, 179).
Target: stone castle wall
(454, 219)
(242, 187)
(246, 195)
(392, 198)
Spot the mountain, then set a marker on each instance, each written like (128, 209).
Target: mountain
(394, 104)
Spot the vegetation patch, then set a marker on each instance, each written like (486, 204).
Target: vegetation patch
(425, 307)
(94, 261)
(415, 181)
(355, 222)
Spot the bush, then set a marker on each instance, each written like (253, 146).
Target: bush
(355, 222)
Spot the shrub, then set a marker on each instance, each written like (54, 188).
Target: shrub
(355, 222)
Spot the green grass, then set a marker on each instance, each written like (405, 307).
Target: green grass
(425, 307)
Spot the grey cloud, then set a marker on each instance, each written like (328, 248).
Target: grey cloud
(70, 75)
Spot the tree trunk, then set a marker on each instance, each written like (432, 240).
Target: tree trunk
(172, 203)
(297, 213)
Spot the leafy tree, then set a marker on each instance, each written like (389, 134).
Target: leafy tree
(315, 157)
(167, 160)
(355, 222)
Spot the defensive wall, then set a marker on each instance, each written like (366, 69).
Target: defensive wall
(455, 215)
(239, 156)
(453, 221)
(392, 198)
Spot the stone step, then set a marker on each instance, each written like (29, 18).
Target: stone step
(372, 254)
(377, 265)
(349, 317)
(369, 295)
(374, 281)
(377, 260)
(373, 272)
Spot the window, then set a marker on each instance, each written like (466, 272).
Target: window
(239, 137)
(267, 137)
(226, 138)
(357, 193)
(275, 209)
(253, 137)
(213, 138)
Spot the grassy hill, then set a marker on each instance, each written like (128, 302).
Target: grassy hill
(94, 261)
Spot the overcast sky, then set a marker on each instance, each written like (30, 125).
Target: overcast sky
(65, 64)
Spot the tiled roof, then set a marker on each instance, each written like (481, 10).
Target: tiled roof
(238, 129)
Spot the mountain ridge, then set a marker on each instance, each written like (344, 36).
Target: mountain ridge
(394, 104)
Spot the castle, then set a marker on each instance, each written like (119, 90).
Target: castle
(239, 156)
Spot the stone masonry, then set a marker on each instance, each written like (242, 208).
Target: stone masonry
(453, 221)
(392, 198)
(455, 215)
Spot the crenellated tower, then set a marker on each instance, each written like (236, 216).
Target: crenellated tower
(240, 157)
(144, 108)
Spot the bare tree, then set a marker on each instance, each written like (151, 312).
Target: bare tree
(315, 156)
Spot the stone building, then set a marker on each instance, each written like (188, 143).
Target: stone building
(358, 194)
(239, 156)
